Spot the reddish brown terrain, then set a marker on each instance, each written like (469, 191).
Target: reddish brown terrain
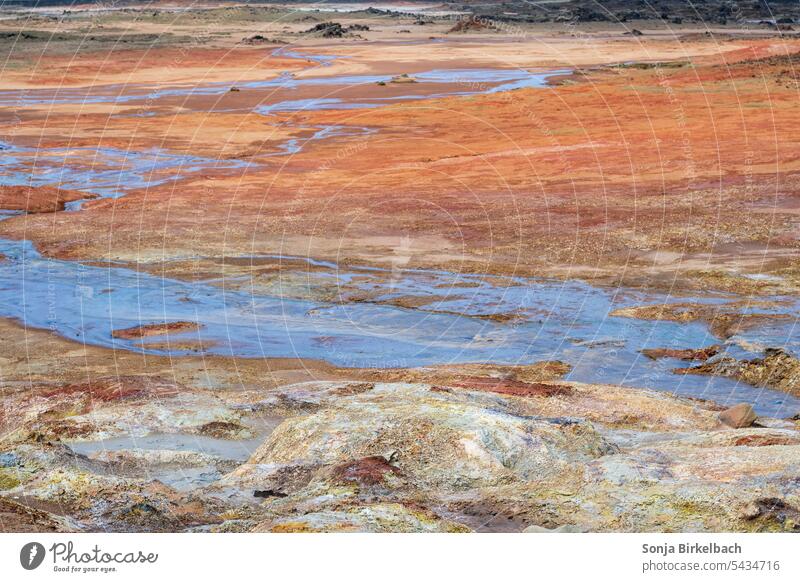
(614, 173)
(34, 200)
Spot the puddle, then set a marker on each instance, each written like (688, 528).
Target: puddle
(233, 450)
(107, 172)
(185, 477)
(461, 82)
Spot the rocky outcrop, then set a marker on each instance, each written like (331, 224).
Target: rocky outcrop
(19, 518)
(472, 23)
(470, 453)
(724, 320)
(328, 30)
(107, 407)
(419, 457)
(777, 369)
(452, 441)
(335, 30)
(36, 199)
(259, 39)
(155, 329)
(688, 355)
(404, 78)
(96, 497)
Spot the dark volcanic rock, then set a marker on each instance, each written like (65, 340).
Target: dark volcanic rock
(267, 493)
(335, 30)
(328, 30)
(257, 39)
(675, 11)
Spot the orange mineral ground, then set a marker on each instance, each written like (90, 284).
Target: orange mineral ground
(612, 172)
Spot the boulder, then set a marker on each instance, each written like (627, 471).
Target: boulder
(739, 416)
(404, 78)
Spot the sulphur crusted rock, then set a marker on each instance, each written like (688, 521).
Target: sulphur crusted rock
(440, 440)
(503, 462)
(374, 518)
(100, 499)
(450, 456)
(117, 406)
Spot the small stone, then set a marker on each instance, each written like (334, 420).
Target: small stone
(739, 416)
(566, 528)
(266, 493)
(750, 511)
(570, 528)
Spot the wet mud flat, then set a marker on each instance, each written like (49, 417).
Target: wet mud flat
(372, 321)
(356, 317)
